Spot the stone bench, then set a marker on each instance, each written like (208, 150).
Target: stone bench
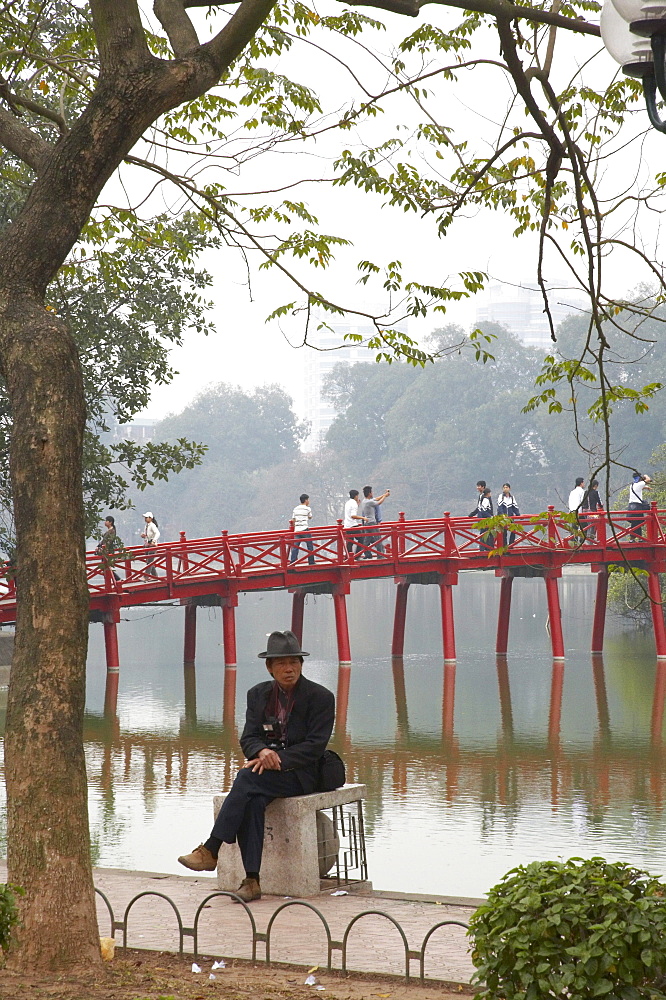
(300, 845)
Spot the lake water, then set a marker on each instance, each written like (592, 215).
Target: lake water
(470, 770)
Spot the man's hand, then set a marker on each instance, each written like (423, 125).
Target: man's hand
(266, 760)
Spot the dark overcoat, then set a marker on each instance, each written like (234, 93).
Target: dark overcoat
(308, 731)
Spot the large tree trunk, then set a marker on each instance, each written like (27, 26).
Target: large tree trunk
(49, 844)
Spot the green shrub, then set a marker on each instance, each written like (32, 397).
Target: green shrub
(574, 929)
(9, 916)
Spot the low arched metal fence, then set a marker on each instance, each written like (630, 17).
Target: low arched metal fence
(257, 937)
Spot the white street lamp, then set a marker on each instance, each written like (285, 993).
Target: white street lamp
(634, 32)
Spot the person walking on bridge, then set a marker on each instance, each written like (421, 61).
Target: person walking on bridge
(288, 723)
(151, 534)
(636, 503)
(483, 509)
(109, 544)
(301, 516)
(368, 508)
(591, 504)
(576, 496)
(352, 520)
(507, 505)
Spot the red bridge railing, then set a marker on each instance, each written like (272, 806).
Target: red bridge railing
(258, 560)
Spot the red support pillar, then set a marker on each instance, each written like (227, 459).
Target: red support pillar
(658, 704)
(657, 614)
(342, 699)
(111, 694)
(448, 625)
(342, 628)
(190, 639)
(398, 667)
(112, 665)
(229, 639)
(229, 634)
(401, 591)
(229, 696)
(556, 690)
(603, 715)
(111, 645)
(297, 610)
(504, 615)
(190, 690)
(600, 612)
(555, 617)
(504, 694)
(448, 699)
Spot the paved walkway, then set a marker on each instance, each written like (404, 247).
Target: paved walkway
(298, 935)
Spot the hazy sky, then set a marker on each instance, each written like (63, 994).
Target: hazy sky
(247, 351)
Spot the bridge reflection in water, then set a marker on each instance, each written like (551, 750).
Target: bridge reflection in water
(495, 774)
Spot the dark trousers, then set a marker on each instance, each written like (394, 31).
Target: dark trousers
(354, 538)
(511, 538)
(241, 817)
(637, 521)
(371, 542)
(487, 543)
(299, 537)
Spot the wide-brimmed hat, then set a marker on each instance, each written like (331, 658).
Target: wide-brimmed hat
(282, 644)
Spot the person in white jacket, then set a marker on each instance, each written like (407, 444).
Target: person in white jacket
(151, 536)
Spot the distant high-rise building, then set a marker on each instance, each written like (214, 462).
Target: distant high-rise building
(320, 359)
(520, 309)
(141, 430)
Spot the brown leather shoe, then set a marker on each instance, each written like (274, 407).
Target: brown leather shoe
(248, 890)
(200, 860)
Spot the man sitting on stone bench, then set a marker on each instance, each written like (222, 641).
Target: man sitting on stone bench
(288, 723)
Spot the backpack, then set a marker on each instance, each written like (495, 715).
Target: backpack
(330, 772)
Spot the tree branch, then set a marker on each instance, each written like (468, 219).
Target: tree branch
(121, 41)
(177, 25)
(498, 8)
(37, 109)
(237, 32)
(22, 141)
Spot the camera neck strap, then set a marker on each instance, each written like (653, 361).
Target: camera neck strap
(279, 705)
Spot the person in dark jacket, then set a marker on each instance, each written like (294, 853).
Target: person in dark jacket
(483, 509)
(288, 723)
(507, 505)
(591, 504)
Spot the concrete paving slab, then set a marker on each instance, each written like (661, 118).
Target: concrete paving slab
(298, 935)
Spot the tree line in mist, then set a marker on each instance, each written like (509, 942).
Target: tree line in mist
(427, 433)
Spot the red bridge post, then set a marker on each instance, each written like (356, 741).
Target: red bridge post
(448, 699)
(504, 686)
(600, 694)
(657, 613)
(112, 662)
(657, 720)
(229, 631)
(190, 637)
(229, 605)
(398, 668)
(556, 690)
(401, 591)
(600, 611)
(341, 626)
(554, 614)
(297, 612)
(446, 584)
(503, 615)
(342, 699)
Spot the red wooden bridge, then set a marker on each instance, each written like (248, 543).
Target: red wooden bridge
(213, 571)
